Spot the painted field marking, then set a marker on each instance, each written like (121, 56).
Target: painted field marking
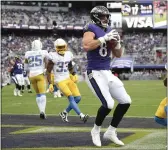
(41, 129)
(140, 117)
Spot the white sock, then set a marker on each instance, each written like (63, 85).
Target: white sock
(97, 127)
(55, 93)
(43, 103)
(38, 101)
(111, 128)
(18, 92)
(65, 111)
(81, 115)
(59, 92)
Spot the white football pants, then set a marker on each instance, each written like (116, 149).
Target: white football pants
(107, 87)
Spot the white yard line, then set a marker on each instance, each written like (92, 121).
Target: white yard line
(73, 115)
(152, 137)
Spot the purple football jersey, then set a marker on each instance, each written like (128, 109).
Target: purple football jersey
(18, 68)
(98, 59)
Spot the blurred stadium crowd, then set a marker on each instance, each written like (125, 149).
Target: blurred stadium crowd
(42, 16)
(141, 46)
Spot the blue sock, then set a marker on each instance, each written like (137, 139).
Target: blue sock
(73, 105)
(161, 121)
(77, 100)
(55, 88)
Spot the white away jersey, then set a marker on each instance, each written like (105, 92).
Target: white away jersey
(60, 69)
(36, 62)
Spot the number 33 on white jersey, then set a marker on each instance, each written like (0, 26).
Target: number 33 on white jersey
(36, 62)
(60, 69)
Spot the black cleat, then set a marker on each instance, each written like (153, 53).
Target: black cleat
(30, 92)
(85, 118)
(42, 115)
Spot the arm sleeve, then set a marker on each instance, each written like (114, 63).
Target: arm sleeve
(72, 68)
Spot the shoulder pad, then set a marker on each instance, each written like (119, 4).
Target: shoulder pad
(88, 27)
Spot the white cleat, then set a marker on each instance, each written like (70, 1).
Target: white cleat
(18, 93)
(15, 92)
(55, 96)
(59, 95)
(64, 116)
(96, 137)
(112, 136)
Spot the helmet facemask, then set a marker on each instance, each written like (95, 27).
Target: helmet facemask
(60, 46)
(101, 19)
(100, 16)
(61, 49)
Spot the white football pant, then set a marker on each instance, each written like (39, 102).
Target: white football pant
(107, 87)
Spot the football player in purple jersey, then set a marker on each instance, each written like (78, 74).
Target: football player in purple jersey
(99, 78)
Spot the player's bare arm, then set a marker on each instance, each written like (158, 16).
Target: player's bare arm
(89, 43)
(46, 62)
(50, 66)
(117, 52)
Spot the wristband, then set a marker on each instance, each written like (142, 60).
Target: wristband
(102, 40)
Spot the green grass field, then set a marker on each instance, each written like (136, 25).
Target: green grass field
(157, 17)
(146, 96)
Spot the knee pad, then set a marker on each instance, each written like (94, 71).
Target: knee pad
(129, 99)
(110, 104)
(126, 99)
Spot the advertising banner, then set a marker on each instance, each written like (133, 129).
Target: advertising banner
(123, 62)
(115, 14)
(140, 14)
(137, 15)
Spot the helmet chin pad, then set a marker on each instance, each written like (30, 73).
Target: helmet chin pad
(61, 49)
(104, 25)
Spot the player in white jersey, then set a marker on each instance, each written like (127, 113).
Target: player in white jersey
(61, 63)
(35, 63)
